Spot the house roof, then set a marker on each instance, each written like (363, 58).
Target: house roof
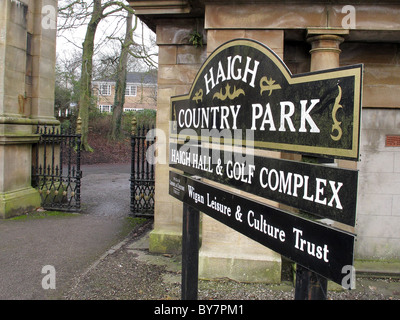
(135, 77)
(142, 77)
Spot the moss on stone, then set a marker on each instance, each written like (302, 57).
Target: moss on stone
(165, 241)
(17, 203)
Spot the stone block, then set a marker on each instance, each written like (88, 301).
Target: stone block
(17, 13)
(271, 38)
(44, 48)
(227, 253)
(378, 119)
(43, 67)
(164, 95)
(177, 74)
(42, 108)
(16, 35)
(16, 203)
(367, 17)
(165, 241)
(379, 224)
(372, 204)
(242, 267)
(381, 96)
(380, 183)
(15, 162)
(42, 88)
(383, 53)
(14, 78)
(48, 33)
(178, 31)
(264, 16)
(218, 37)
(163, 116)
(378, 74)
(397, 161)
(378, 162)
(377, 248)
(167, 54)
(191, 55)
(396, 205)
(4, 13)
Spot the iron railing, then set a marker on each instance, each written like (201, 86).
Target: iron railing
(142, 172)
(56, 169)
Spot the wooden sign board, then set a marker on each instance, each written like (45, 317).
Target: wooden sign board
(325, 191)
(322, 249)
(245, 93)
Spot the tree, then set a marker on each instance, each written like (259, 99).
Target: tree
(87, 72)
(100, 11)
(128, 48)
(66, 84)
(77, 12)
(87, 64)
(120, 86)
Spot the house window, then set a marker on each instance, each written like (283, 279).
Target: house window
(105, 89)
(131, 90)
(132, 109)
(104, 108)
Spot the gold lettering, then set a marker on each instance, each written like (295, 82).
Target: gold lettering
(336, 123)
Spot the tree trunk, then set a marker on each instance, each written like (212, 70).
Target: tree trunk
(86, 74)
(120, 86)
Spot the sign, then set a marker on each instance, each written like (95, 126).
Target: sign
(321, 190)
(245, 94)
(320, 248)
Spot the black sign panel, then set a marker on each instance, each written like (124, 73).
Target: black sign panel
(321, 190)
(246, 95)
(324, 250)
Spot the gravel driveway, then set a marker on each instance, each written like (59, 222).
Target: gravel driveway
(130, 272)
(79, 248)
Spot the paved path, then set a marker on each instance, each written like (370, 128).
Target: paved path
(70, 244)
(106, 190)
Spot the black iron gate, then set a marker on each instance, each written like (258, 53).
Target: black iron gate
(142, 172)
(56, 169)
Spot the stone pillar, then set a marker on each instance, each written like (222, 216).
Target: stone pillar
(20, 37)
(324, 51)
(325, 54)
(44, 37)
(179, 63)
(224, 252)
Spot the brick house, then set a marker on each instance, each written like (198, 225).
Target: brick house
(140, 93)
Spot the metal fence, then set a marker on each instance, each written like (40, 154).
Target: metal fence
(56, 169)
(142, 172)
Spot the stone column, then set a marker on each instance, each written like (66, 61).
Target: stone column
(325, 54)
(179, 62)
(44, 38)
(324, 50)
(224, 252)
(20, 38)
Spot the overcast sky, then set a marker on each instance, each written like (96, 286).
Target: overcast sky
(69, 41)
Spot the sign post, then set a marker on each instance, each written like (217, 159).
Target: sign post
(244, 96)
(310, 285)
(314, 245)
(190, 252)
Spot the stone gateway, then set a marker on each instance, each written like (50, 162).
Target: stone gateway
(306, 36)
